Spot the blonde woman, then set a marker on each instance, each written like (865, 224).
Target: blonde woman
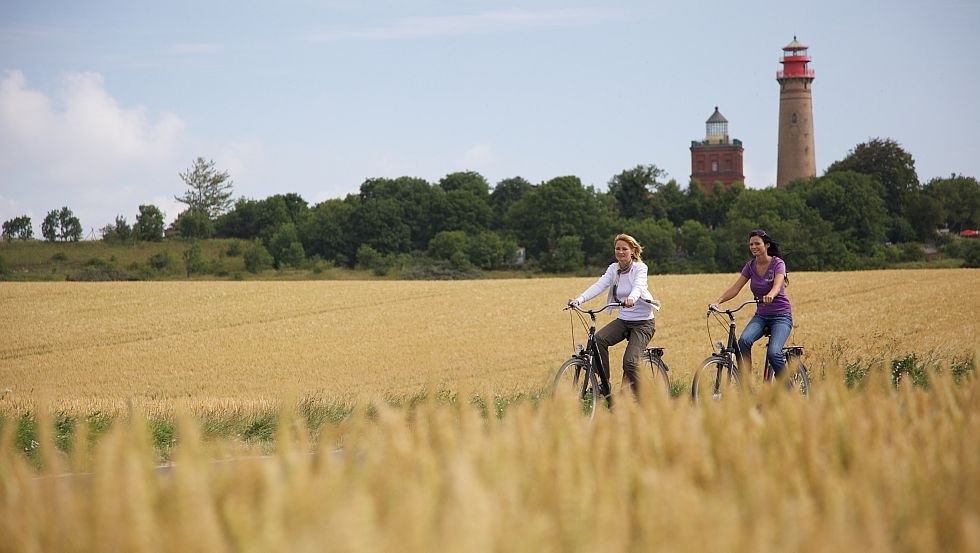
(626, 280)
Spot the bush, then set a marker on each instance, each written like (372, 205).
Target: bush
(369, 258)
(4, 271)
(971, 253)
(161, 260)
(257, 258)
(100, 274)
(194, 259)
(234, 249)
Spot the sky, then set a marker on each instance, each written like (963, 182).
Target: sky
(103, 103)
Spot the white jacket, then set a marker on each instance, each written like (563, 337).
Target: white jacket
(632, 284)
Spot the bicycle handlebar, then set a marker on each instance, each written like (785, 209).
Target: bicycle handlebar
(576, 307)
(715, 309)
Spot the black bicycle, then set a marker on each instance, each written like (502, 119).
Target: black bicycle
(719, 373)
(584, 376)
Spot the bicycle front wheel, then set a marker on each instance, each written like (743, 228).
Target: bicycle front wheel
(576, 379)
(716, 378)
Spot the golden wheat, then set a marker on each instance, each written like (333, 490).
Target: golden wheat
(216, 345)
(871, 470)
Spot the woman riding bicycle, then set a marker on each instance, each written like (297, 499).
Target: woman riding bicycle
(626, 280)
(767, 273)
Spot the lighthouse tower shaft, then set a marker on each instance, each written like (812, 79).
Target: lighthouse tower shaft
(795, 157)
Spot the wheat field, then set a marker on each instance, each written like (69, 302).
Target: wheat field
(866, 468)
(105, 346)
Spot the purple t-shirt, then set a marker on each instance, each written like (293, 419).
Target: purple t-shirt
(761, 285)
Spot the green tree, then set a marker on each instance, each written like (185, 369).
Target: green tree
(853, 203)
(194, 259)
(505, 194)
(285, 247)
(371, 259)
(61, 225)
(695, 242)
(674, 201)
(466, 211)
(210, 189)
(809, 242)
(447, 243)
(959, 200)
(633, 190)
(565, 256)
(397, 215)
(470, 181)
(657, 238)
(925, 214)
(259, 218)
(256, 257)
(488, 250)
(885, 160)
(194, 223)
(149, 223)
(558, 208)
(971, 254)
(18, 228)
(327, 232)
(120, 231)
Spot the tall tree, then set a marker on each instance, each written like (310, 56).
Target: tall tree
(210, 189)
(61, 225)
(959, 200)
(853, 203)
(885, 160)
(633, 190)
(18, 228)
(149, 224)
(120, 231)
(466, 180)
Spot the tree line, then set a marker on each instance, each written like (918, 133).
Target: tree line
(867, 210)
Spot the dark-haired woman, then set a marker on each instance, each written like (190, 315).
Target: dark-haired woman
(767, 274)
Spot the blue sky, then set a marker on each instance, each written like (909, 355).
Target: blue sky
(103, 103)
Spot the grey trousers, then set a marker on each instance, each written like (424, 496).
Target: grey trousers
(639, 334)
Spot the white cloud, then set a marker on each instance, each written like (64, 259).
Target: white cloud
(84, 135)
(79, 147)
(499, 21)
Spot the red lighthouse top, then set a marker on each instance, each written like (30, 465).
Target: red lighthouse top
(795, 60)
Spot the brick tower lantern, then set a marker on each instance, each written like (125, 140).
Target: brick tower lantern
(795, 158)
(716, 158)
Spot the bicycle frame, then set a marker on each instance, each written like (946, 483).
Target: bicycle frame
(590, 352)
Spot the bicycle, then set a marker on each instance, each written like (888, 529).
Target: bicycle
(719, 373)
(583, 373)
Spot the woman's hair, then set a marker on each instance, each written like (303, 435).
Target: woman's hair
(772, 247)
(635, 248)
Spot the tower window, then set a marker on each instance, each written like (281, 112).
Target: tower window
(793, 118)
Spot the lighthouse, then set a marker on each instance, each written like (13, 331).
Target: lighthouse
(795, 157)
(717, 158)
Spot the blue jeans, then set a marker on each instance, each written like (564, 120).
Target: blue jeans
(780, 326)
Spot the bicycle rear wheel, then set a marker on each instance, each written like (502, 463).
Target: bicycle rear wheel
(716, 378)
(659, 373)
(799, 377)
(576, 379)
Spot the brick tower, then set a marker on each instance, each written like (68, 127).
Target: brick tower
(716, 158)
(795, 157)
